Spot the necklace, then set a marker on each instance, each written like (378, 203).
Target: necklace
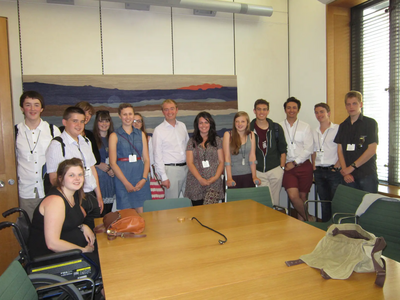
(69, 202)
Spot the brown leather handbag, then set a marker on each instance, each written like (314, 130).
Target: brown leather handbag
(126, 223)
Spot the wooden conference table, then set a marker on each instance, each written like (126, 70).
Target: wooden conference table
(183, 260)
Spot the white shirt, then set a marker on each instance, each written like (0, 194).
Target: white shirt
(324, 146)
(30, 148)
(83, 150)
(299, 140)
(169, 146)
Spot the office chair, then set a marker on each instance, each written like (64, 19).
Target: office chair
(382, 218)
(344, 203)
(259, 194)
(163, 204)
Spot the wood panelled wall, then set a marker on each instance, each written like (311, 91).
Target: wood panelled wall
(338, 55)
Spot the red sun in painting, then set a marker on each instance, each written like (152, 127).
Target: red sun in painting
(204, 86)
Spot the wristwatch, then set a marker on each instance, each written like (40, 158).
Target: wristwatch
(354, 165)
(283, 168)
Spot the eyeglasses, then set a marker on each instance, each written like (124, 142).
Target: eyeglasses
(137, 121)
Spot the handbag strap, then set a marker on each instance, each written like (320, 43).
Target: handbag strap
(380, 244)
(112, 235)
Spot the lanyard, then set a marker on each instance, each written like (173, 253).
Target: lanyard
(130, 144)
(323, 142)
(243, 152)
(37, 141)
(83, 156)
(294, 134)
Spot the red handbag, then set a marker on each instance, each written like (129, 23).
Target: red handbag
(126, 223)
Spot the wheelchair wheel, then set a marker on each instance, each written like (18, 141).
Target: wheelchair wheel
(69, 291)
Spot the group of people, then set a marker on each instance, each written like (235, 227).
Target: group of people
(90, 171)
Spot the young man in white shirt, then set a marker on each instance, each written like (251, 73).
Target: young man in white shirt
(325, 158)
(298, 176)
(170, 139)
(33, 136)
(77, 146)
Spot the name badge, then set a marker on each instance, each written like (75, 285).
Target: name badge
(33, 157)
(351, 147)
(243, 161)
(206, 164)
(320, 154)
(132, 158)
(107, 160)
(88, 173)
(292, 146)
(290, 152)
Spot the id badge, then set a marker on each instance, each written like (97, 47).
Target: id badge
(132, 158)
(292, 146)
(88, 173)
(291, 152)
(351, 147)
(320, 154)
(243, 161)
(206, 164)
(107, 160)
(30, 157)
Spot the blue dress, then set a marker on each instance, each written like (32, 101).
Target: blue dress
(133, 171)
(105, 181)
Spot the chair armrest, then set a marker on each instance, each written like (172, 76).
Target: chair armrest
(338, 214)
(56, 255)
(280, 208)
(355, 217)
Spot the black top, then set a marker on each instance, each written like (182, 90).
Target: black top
(69, 232)
(361, 133)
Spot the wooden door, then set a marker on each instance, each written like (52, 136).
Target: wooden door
(8, 175)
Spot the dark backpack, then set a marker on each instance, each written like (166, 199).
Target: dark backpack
(46, 177)
(51, 126)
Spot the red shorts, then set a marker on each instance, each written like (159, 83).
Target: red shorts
(300, 177)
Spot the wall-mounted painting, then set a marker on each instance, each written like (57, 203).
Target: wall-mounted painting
(216, 94)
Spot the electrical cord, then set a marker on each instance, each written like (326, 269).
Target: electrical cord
(221, 242)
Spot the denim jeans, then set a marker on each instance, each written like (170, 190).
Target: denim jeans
(368, 183)
(326, 182)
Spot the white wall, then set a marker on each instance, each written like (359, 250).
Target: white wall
(307, 53)
(65, 39)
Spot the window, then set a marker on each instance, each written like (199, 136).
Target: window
(375, 73)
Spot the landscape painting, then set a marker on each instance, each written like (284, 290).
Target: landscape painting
(216, 94)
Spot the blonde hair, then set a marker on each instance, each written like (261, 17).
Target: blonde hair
(235, 142)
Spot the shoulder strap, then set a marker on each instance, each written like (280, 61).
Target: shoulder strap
(51, 126)
(60, 140)
(16, 131)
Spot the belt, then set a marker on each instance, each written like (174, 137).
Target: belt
(176, 165)
(127, 158)
(326, 168)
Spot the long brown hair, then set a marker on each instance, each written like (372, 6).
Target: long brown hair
(102, 115)
(235, 142)
(143, 125)
(63, 168)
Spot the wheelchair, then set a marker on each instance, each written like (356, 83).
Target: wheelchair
(72, 266)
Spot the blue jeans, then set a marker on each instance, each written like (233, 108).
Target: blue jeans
(326, 182)
(368, 183)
